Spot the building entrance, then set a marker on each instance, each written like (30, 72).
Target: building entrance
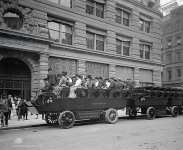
(15, 78)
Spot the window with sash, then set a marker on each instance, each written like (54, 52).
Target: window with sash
(66, 3)
(95, 8)
(179, 72)
(169, 73)
(146, 77)
(60, 32)
(123, 46)
(95, 41)
(145, 49)
(122, 16)
(144, 25)
(169, 57)
(178, 56)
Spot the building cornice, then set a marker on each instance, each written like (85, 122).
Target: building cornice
(145, 7)
(23, 35)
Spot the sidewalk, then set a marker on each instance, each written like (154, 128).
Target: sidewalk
(14, 123)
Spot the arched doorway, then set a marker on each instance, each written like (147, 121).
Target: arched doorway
(15, 78)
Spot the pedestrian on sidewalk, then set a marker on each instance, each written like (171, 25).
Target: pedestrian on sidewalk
(9, 102)
(4, 110)
(2, 118)
(19, 108)
(24, 110)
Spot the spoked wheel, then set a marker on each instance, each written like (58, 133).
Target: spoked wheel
(151, 113)
(132, 113)
(51, 118)
(66, 119)
(111, 116)
(174, 111)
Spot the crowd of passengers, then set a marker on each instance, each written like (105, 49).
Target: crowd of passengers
(65, 84)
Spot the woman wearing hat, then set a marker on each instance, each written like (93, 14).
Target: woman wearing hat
(61, 84)
(73, 88)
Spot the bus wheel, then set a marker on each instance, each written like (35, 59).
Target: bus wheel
(151, 113)
(132, 113)
(174, 111)
(51, 118)
(66, 119)
(111, 116)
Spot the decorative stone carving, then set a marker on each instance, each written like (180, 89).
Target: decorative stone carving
(30, 23)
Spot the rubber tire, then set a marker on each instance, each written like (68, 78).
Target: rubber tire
(174, 111)
(108, 116)
(60, 120)
(149, 111)
(54, 122)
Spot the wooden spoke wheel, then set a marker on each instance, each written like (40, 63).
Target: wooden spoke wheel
(51, 118)
(111, 116)
(66, 119)
(174, 111)
(151, 113)
(132, 113)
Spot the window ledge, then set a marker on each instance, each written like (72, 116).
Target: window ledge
(103, 53)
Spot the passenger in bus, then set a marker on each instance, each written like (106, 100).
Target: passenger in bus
(73, 88)
(106, 88)
(52, 79)
(69, 81)
(114, 88)
(45, 85)
(62, 80)
(89, 82)
(98, 83)
(106, 84)
(89, 85)
(130, 84)
(83, 91)
(120, 84)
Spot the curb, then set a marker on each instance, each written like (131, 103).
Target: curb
(21, 127)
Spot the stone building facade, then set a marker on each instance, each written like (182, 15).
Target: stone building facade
(108, 38)
(172, 52)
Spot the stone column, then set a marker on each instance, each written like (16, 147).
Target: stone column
(134, 20)
(136, 74)
(80, 35)
(43, 62)
(35, 81)
(110, 11)
(157, 77)
(135, 49)
(79, 5)
(137, 77)
(111, 42)
(112, 70)
(81, 67)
